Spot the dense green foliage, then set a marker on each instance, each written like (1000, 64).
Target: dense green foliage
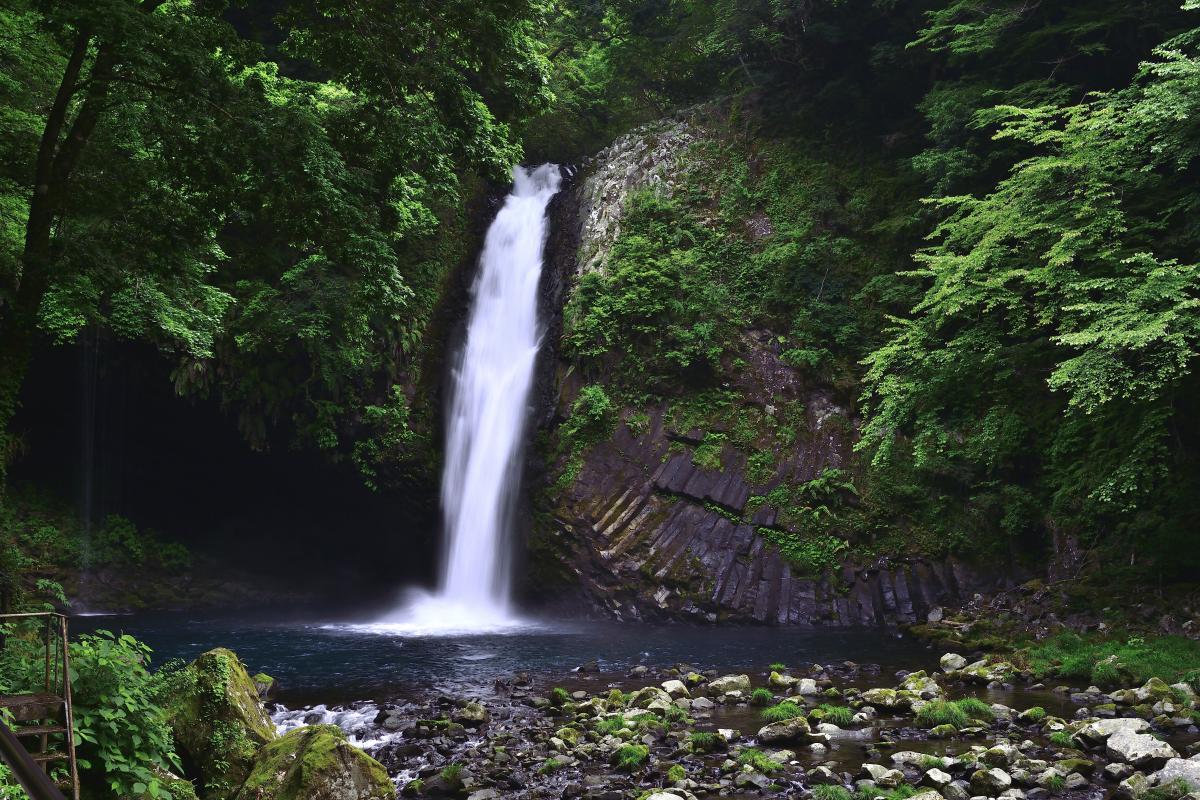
(978, 219)
(1114, 661)
(283, 238)
(121, 735)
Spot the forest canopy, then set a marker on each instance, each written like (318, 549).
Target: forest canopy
(273, 197)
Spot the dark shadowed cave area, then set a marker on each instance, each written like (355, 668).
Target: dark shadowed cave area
(291, 517)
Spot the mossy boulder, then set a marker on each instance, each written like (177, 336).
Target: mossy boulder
(315, 763)
(218, 722)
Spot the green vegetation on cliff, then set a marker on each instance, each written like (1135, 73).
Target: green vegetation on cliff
(973, 223)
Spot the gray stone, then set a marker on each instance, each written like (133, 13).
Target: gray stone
(1180, 769)
(990, 782)
(788, 730)
(730, 683)
(1137, 748)
(951, 662)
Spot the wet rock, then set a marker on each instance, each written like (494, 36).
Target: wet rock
(930, 795)
(1137, 748)
(676, 688)
(990, 782)
(472, 715)
(1133, 787)
(789, 730)
(781, 681)
(936, 778)
(1097, 732)
(218, 721)
(730, 683)
(315, 762)
(951, 662)
(823, 776)
(1180, 769)
(1117, 772)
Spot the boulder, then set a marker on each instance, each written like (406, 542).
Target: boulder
(1133, 787)
(266, 686)
(922, 684)
(782, 681)
(1138, 748)
(951, 662)
(1097, 732)
(1186, 770)
(927, 795)
(887, 698)
(218, 721)
(472, 715)
(676, 688)
(936, 778)
(807, 687)
(730, 683)
(788, 730)
(990, 782)
(315, 763)
(643, 697)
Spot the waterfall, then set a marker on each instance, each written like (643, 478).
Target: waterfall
(486, 419)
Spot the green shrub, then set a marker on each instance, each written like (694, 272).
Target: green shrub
(1055, 783)
(675, 714)
(610, 725)
(119, 724)
(1035, 714)
(785, 710)
(1062, 739)
(631, 756)
(451, 772)
(942, 712)
(830, 792)
(761, 697)
(778, 667)
(976, 709)
(1115, 660)
(835, 715)
(550, 765)
(704, 741)
(757, 760)
(676, 774)
(901, 792)
(559, 696)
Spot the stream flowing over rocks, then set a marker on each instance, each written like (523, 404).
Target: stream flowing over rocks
(972, 729)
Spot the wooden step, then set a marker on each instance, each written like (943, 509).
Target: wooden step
(31, 706)
(38, 730)
(44, 757)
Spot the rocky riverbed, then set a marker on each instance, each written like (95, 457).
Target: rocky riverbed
(977, 729)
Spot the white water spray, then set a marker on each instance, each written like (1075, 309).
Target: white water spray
(485, 426)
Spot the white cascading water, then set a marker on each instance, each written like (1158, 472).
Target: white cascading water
(485, 426)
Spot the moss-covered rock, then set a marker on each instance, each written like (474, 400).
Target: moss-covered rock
(315, 763)
(218, 722)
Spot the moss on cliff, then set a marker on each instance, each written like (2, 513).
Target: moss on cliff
(217, 720)
(315, 763)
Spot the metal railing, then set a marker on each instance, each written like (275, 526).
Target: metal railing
(57, 688)
(33, 778)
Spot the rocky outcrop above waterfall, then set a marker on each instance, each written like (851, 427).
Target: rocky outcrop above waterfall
(647, 156)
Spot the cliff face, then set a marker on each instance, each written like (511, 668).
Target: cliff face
(667, 518)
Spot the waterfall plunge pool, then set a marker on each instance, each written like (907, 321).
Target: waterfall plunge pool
(329, 661)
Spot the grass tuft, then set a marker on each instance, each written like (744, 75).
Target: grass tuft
(761, 697)
(942, 712)
(976, 709)
(785, 710)
(757, 760)
(836, 715)
(631, 756)
(830, 792)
